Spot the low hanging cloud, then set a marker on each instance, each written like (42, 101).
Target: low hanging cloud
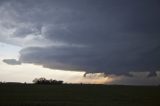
(113, 37)
(12, 61)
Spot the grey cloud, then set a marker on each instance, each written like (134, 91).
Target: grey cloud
(111, 36)
(26, 30)
(139, 78)
(91, 59)
(12, 61)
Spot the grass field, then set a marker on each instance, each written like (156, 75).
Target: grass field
(78, 95)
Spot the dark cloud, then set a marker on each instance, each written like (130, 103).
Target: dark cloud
(91, 59)
(111, 36)
(12, 61)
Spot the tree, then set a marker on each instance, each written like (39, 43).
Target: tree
(45, 81)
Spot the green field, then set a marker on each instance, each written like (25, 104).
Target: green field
(78, 95)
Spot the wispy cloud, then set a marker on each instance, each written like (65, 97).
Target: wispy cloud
(12, 61)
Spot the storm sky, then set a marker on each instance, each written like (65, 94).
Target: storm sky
(111, 37)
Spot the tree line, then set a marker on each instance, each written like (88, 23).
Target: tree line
(47, 82)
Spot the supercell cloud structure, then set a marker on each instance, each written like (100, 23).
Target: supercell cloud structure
(108, 36)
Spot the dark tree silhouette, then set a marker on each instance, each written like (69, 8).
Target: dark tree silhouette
(45, 81)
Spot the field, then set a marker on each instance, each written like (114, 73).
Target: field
(78, 95)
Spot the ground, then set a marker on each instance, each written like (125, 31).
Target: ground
(78, 95)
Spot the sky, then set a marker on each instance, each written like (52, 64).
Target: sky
(80, 41)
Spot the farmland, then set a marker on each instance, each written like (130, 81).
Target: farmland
(78, 95)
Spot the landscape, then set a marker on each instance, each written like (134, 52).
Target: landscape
(78, 95)
(79, 52)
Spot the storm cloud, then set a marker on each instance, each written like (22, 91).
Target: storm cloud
(113, 36)
(12, 61)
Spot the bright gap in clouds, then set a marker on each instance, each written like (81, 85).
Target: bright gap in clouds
(9, 51)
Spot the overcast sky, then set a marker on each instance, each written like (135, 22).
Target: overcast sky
(92, 41)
